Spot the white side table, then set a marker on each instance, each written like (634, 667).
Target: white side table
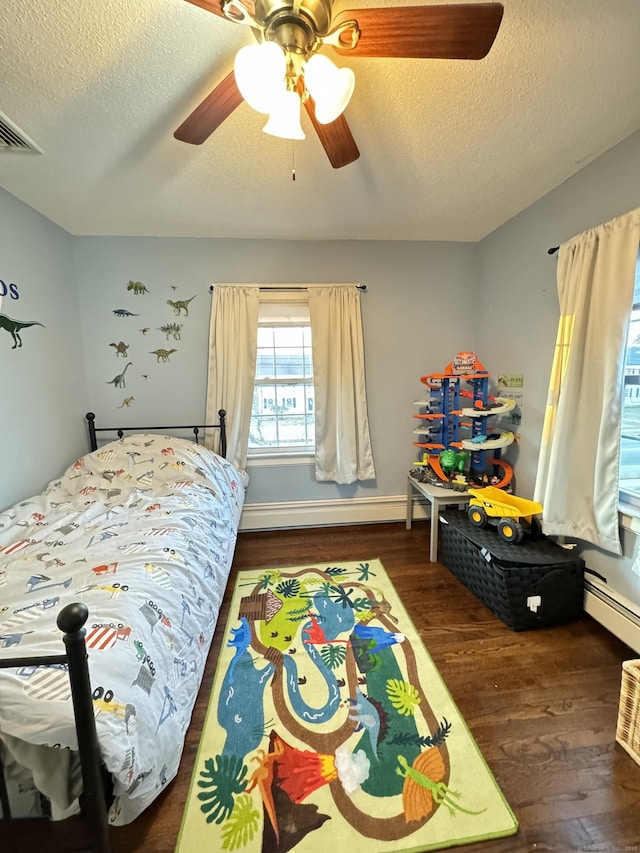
(438, 497)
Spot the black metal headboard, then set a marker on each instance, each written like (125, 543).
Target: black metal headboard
(120, 431)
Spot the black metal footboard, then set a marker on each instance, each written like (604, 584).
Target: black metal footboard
(71, 620)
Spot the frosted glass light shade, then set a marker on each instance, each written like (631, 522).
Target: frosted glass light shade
(260, 71)
(330, 87)
(284, 120)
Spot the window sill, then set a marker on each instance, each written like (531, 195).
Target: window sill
(629, 515)
(280, 460)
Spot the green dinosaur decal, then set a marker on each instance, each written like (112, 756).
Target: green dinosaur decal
(14, 327)
(180, 305)
(171, 330)
(137, 287)
(118, 380)
(162, 354)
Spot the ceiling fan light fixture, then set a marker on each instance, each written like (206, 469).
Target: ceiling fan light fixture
(260, 74)
(284, 120)
(330, 87)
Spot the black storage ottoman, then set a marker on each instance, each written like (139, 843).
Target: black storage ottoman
(534, 584)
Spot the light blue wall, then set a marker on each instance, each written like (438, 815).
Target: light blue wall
(419, 310)
(43, 388)
(519, 315)
(425, 302)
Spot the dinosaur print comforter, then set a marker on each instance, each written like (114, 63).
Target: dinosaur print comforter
(143, 532)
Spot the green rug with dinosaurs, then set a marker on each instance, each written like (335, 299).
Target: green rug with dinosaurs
(329, 726)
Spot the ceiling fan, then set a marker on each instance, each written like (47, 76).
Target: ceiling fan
(301, 28)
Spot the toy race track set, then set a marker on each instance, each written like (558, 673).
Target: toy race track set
(461, 448)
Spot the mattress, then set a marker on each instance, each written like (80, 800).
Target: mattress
(142, 531)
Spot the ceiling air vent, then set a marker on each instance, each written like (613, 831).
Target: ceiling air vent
(14, 139)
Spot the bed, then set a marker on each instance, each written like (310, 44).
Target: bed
(139, 533)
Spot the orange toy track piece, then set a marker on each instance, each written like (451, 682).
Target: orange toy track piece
(507, 470)
(434, 461)
(434, 380)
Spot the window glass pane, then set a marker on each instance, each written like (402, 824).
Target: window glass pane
(292, 430)
(636, 292)
(310, 401)
(283, 410)
(265, 336)
(263, 432)
(282, 430)
(285, 336)
(311, 429)
(630, 432)
(631, 402)
(289, 363)
(264, 400)
(308, 363)
(290, 398)
(265, 364)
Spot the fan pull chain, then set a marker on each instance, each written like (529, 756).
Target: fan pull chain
(293, 160)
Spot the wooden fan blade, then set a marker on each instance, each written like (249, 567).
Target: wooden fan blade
(209, 115)
(215, 6)
(463, 31)
(336, 138)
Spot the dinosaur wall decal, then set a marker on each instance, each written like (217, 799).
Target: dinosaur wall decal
(162, 354)
(118, 380)
(120, 348)
(171, 330)
(137, 287)
(14, 327)
(180, 305)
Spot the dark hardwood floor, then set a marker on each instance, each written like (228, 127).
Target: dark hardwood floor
(542, 705)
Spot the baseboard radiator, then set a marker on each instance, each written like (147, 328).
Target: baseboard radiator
(612, 610)
(283, 515)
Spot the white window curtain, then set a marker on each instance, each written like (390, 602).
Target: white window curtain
(577, 478)
(233, 335)
(343, 444)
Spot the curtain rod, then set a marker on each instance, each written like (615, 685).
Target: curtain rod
(361, 287)
(552, 250)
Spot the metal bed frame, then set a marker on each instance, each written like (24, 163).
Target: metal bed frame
(71, 621)
(120, 431)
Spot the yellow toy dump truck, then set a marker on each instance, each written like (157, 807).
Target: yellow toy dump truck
(511, 515)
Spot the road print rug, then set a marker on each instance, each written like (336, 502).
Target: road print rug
(330, 729)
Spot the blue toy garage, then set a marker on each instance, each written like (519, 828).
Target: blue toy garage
(461, 448)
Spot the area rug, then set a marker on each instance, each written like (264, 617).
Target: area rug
(329, 727)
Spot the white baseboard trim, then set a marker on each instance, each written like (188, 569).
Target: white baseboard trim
(614, 612)
(278, 516)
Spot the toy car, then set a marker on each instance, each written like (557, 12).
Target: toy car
(511, 515)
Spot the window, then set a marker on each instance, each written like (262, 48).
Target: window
(282, 416)
(630, 431)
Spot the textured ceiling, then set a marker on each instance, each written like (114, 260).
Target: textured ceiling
(450, 150)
